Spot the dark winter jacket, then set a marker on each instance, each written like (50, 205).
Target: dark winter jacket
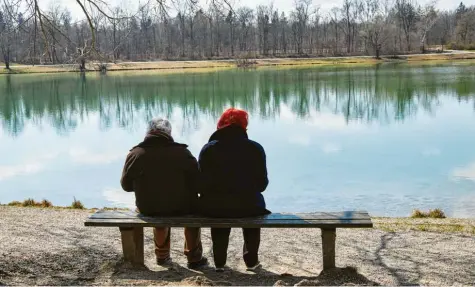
(233, 175)
(163, 175)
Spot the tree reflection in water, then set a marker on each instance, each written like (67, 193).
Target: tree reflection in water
(382, 94)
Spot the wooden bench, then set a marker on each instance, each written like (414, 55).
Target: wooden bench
(131, 227)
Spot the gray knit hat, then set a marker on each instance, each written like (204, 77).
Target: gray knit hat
(159, 125)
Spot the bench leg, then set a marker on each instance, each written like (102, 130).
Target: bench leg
(328, 248)
(132, 245)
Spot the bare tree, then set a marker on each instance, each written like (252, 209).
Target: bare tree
(408, 16)
(466, 26)
(300, 17)
(335, 23)
(375, 21)
(348, 22)
(172, 29)
(428, 17)
(245, 18)
(263, 28)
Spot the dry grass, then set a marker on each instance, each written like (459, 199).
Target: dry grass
(46, 203)
(442, 225)
(32, 203)
(77, 204)
(29, 202)
(440, 57)
(15, 203)
(213, 65)
(432, 213)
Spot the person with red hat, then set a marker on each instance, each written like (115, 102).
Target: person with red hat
(234, 175)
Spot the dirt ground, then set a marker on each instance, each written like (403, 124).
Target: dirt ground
(52, 247)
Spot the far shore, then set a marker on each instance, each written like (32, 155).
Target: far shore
(212, 65)
(51, 246)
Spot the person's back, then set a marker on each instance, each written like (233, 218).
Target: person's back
(233, 169)
(234, 175)
(163, 175)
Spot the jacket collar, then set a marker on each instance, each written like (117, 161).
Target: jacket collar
(232, 132)
(158, 140)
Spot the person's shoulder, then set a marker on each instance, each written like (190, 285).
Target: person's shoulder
(137, 150)
(256, 145)
(209, 145)
(179, 147)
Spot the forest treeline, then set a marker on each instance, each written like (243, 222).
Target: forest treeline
(182, 29)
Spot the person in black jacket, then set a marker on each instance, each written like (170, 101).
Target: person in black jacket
(163, 174)
(234, 175)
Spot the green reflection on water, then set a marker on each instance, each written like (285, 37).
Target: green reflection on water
(382, 93)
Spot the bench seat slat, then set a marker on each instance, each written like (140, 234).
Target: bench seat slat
(348, 219)
(119, 214)
(245, 224)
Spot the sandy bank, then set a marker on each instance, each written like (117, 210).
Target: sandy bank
(51, 247)
(211, 65)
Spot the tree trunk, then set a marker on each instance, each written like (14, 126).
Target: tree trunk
(377, 51)
(232, 40)
(6, 58)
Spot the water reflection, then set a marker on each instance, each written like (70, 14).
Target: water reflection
(385, 139)
(380, 94)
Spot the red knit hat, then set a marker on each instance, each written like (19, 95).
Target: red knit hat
(233, 116)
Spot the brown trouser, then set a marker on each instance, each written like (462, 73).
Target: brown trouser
(193, 248)
(220, 238)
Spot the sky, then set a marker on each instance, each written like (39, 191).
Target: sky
(281, 5)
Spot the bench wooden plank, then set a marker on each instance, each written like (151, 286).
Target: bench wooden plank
(131, 226)
(123, 214)
(347, 219)
(255, 223)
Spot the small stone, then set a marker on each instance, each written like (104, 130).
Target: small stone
(280, 283)
(306, 282)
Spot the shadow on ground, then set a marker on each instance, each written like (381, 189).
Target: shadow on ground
(60, 262)
(178, 275)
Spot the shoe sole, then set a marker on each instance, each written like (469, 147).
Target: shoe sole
(254, 268)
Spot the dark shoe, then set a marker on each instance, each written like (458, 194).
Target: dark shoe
(198, 264)
(219, 269)
(164, 262)
(254, 268)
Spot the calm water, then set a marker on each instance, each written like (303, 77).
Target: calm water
(386, 139)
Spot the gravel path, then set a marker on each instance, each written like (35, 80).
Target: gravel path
(52, 247)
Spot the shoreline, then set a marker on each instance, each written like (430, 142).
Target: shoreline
(46, 246)
(214, 65)
(390, 224)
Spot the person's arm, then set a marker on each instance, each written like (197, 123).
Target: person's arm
(204, 174)
(260, 172)
(192, 178)
(131, 171)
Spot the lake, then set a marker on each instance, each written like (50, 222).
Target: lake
(386, 138)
